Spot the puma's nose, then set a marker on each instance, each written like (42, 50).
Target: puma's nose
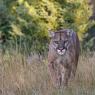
(60, 48)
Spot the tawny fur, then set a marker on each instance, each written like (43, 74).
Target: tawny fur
(63, 67)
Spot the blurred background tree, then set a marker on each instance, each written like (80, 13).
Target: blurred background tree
(24, 24)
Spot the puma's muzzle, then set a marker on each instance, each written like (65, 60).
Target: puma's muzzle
(61, 52)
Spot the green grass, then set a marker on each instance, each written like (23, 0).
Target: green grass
(18, 77)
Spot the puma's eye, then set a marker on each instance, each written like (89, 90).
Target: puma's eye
(66, 42)
(56, 42)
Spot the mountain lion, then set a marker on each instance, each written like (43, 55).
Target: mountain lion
(63, 55)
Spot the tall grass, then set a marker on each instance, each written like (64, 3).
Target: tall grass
(21, 76)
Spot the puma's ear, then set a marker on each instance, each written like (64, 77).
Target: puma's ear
(69, 32)
(51, 33)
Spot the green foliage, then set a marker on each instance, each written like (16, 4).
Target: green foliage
(26, 22)
(89, 39)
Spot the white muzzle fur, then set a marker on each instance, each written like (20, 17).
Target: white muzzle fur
(61, 52)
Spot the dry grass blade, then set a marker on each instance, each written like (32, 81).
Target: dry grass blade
(19, 78)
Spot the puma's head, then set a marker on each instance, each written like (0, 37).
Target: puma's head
(60, 40)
